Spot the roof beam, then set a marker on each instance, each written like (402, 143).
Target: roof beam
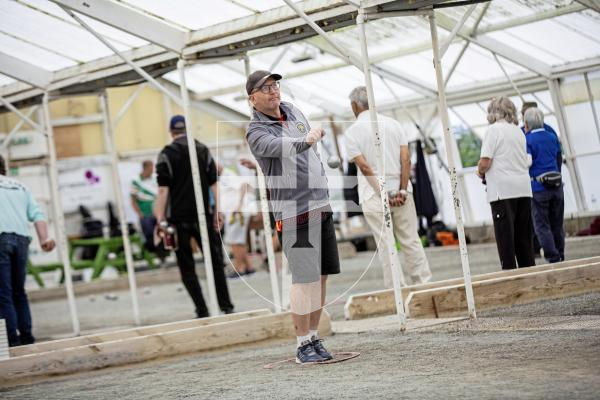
(24, 71)
(130, 21)
(113, 66)
(527, 19)
(591, 4)
(495, 46)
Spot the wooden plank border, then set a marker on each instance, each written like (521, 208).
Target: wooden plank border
(151, 347)
(130, 333)
(505, 291)
(382, 302)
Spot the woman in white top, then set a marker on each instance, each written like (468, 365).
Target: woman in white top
(504, 168)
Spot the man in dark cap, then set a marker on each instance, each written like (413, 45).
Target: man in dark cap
(176, 203)
(284, 146)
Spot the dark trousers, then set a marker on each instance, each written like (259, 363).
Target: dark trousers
(148, 223)
(514, 232)
(14, 306)
(187, 267)
(548, 208)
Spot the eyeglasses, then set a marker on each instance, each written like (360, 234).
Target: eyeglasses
(267, 88)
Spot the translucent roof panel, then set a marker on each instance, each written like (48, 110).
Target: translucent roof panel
(5, 80)
(477, 65)
(333, 87)
(191, 14)
(209, 77)
(549, 42)
(107, 31)
(259, 5)
(33, 54)
(506, 10)
(51, 41)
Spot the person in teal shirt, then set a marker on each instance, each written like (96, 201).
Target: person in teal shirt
(143, 193)
(17, 211)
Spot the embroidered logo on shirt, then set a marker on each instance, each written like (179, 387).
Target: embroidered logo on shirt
(301, 127)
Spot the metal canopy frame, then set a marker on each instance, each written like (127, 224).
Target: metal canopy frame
(271, 27)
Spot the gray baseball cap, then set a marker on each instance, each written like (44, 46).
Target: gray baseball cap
(257, 78)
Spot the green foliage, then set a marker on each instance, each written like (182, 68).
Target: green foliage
(469, 146)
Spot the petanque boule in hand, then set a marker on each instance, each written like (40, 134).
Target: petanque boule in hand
(333, 162)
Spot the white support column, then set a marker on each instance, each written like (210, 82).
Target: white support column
(110, 147)
(388, 233)
(264, 207)
(559, 112)
(463, 189)
(591, 99)
(59, 218)
(213, 305)
(448, 139)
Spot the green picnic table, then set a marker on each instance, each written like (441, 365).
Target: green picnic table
(113, 245)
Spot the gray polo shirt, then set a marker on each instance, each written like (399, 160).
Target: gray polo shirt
(293, 170)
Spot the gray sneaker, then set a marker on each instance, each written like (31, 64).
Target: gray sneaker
(306, 354)
(321, 350)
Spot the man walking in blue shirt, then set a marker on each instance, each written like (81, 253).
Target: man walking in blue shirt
(548, 197)
(18, 208)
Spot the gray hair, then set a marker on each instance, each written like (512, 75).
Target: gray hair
(501, 108)
(534, 118)
(359, 96)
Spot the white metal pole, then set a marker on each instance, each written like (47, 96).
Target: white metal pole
(213, 305)
(109, 143)
(59, 218)
(448, 139)
(388, 233)
(264, 207)
(554, 86)
(591, 99)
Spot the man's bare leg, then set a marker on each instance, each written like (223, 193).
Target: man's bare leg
(239, 255)
(305, 300)
(315, 316)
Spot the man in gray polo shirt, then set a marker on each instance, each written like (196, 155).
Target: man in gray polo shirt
(284, 146)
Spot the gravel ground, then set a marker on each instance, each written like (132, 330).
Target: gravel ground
(432, 364)
(545, 350)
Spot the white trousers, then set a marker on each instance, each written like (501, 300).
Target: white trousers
(404, 222)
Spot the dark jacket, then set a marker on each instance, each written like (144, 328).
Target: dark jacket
(173, 170)
(293, 170)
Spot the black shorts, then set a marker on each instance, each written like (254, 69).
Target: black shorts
(311, 250)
